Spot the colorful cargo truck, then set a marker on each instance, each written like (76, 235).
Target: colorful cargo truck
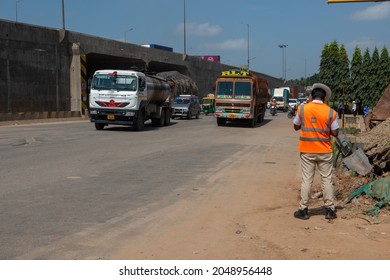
(240, 96)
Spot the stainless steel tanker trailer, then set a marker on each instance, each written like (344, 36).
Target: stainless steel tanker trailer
(124, 97)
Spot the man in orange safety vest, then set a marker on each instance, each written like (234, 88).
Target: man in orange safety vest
(317, 122)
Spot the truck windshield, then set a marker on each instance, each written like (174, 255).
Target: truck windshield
(115, 82)
(242, 90)
(278, 98)
(225, 90)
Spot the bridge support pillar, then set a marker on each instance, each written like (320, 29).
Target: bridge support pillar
(75, 79)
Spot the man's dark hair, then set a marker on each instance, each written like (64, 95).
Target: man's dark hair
(318, 92)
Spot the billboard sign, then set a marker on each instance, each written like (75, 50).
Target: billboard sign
(211, 58)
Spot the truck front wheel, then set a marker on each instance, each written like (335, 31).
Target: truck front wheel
(139, 124)
(221, 122)
(99, 126)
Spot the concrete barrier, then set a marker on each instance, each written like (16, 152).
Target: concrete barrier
(39, 115)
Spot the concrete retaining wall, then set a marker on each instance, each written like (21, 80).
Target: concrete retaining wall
(34, 69)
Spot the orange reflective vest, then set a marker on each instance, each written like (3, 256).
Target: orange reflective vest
(316, 120)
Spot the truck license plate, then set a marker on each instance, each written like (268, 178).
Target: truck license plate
(232, 116)
(111, 117)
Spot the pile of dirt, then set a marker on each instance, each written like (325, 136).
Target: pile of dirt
(381, 111)
(375, 141)
(378, 138)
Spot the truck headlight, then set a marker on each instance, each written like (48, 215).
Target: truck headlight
(93, 112)
(129, 114)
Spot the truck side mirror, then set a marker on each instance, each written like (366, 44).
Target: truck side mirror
(141, 82)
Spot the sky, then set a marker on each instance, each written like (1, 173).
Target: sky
(220, 27)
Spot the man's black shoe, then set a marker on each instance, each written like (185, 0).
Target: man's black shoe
(302, 214)
(330, 214)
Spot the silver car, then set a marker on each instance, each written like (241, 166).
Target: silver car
(186, 106)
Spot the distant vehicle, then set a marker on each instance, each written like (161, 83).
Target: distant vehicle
(292, 111)
(186, 106)
(292, 102)
(301, 100)
(282, 96)
(272, 108)
(208, 104)
(158, 47)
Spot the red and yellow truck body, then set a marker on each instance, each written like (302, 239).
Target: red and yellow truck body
(240, 96)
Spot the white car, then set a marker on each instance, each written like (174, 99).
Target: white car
(292, 102)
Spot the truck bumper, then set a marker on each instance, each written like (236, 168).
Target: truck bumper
(180, 113)
(233, 116)
(106, 116)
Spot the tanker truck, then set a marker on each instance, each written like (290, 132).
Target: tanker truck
(124, 97)
(240, 96)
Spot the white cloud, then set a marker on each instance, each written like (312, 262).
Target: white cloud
(230, 45)
(362, 44)
(200, 29)
(377, 12)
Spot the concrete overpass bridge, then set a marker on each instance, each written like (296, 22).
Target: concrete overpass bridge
(44, 72)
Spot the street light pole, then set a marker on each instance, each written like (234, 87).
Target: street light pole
(185, 47)
(63, 14)
(126, 32)
(248, 45)
(16, 3)
(283, 47)
(248, 60)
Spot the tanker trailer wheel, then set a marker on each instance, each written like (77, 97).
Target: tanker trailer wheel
(167, 117)
(99, 126)
(159, 122)
(139, 124)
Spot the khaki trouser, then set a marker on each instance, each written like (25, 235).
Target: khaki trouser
(323, 162)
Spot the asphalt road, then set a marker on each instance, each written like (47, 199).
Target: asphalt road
(68, 191)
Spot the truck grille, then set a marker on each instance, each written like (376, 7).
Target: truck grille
(112, 104)
(233, 105)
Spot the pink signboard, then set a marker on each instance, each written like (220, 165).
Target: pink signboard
(212, 58)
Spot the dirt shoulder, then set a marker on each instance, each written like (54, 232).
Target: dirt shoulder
(245, 211)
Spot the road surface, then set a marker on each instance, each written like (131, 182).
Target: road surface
(192, 190)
